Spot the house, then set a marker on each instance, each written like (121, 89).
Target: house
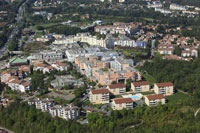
(155, 99)
(19, 85)
(5, 75)
(117, 89)
(45, 68)
(122, 103)
(99, 96)
(166, 88)
(141, 86)
(5, 102)
(60, 66)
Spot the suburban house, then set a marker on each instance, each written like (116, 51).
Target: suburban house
(166, 88)
(5, 75)
(99, 96)
(141, 86)
(122, 103)
(117, 89)
(155, 99)
(60, 66)
(19, 85)
(45, 68)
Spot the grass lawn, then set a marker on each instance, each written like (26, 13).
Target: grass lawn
(48, 25)
(129, 52)
(173, 99)
(147, 93)
(38, 34)
(149, 78)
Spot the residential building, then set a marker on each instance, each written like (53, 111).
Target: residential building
(65, 80)
(49, 56)
(177, 7)
(43, 104)
(141, 86)
(60, 66)
(99, 96)
(122, 103)
(19, 85)
(117, 89)
(66, 112)
(5, 75)
(155, 99)
(166, 88)
(120, 64)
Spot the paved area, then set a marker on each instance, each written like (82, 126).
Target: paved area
(6, 130)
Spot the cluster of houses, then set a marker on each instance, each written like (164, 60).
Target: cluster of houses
(4, 102)
(16, 76)
(129, 99)
(169, 42)
(67, 112)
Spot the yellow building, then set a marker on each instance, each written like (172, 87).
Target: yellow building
(122, 103)
(166, 88)
(117, 89)
(99, 96)
(142, 86)
(155, 99)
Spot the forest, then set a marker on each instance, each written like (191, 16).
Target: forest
(20, 117)
(184, 74)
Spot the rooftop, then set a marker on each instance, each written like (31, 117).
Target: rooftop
(100, 91)
(164, 84)
(156, 96)
(123, 100)
(140, 83)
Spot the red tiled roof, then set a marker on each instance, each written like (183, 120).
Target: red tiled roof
(140, 83)
(100, 91)
(123, 100)
(5, 72)
(113, 86)
(164, 84)
(156, 96)
(61, 64)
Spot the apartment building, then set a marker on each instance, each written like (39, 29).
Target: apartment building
(49, 56)
(99, 96)
(109, 76)
(166, 88)
(141, 86)
(117, 89)
(155, 99)
(43, 104)
(122, 103)
(66, 112)
(120, 64)
(174, 6)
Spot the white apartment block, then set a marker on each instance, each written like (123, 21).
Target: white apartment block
(177, 7)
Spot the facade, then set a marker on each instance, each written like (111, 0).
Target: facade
(177, 7)
(117, 89)
(49, 56)
(60, 66)
(66, 112)
(153, 100)
(120, 64)
(166, 88)
(141, 86)
(99, 96)
(122, 103)
(18, 85)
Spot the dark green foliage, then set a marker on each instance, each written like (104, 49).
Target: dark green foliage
(185, 75)
(21, 117)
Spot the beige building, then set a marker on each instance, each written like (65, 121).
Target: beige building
(166, 88)
(122, 103)
(117, 89)
(142, 86)
(155, 99)
(99, 96)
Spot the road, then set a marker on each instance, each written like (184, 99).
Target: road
(6, 130)
(19, 17)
